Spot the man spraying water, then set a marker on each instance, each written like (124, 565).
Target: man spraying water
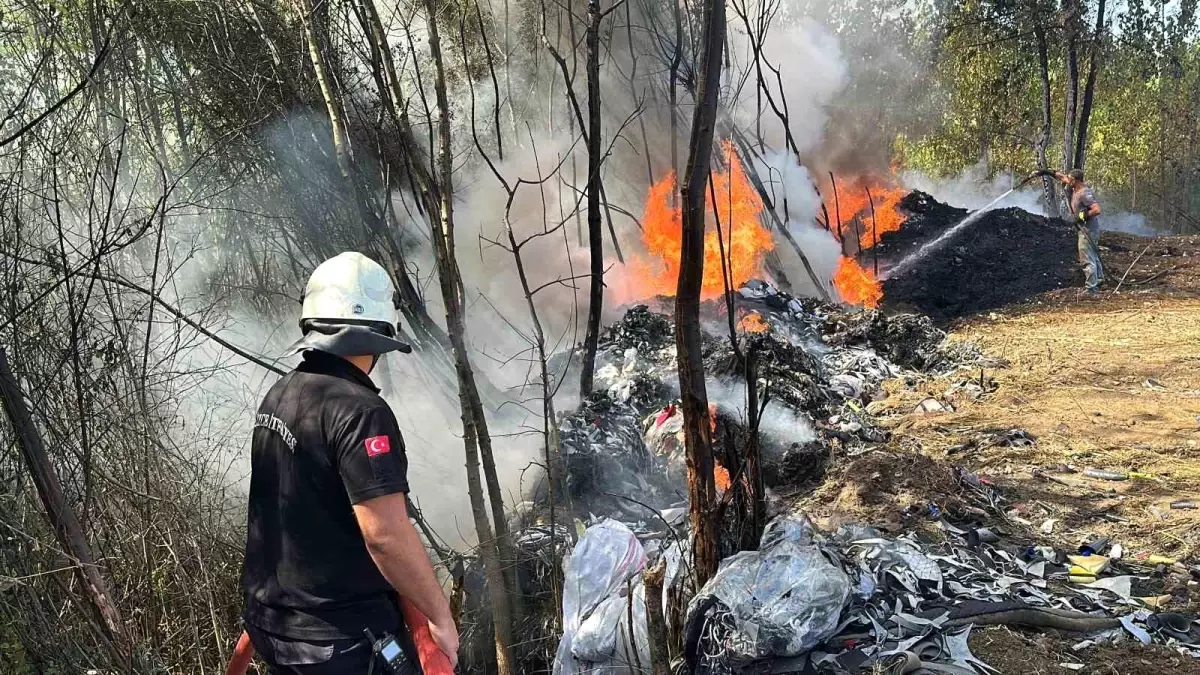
(1085, 212)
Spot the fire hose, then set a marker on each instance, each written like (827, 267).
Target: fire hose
(983, 613)
(1079, 219)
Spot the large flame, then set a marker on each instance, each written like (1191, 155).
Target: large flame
(854, 205)
(856, 285)
(746, 241)
(753, 323)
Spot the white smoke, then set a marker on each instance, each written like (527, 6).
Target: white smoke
(778, 423)
(811, 72)
(976, 187)
(797, 202)
(1130, 223)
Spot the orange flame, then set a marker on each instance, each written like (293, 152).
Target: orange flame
(753, 323)
(746, 241)
(721, 477)
(855, 208)
(856, 285)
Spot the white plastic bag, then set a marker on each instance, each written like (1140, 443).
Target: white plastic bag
(598, 575)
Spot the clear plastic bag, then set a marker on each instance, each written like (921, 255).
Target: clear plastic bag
(599, 574)
(783, 599)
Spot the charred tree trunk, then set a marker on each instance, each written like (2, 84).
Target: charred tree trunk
(67, 529)
(1089, 89)
(476, 441)
(594, 223)
(696, 427)
(1043, 142)
(754, 477)
(1071, 22)
(656, 625)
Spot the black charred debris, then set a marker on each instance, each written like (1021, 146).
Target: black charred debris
(1008, 257)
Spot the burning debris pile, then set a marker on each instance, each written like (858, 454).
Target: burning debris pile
(797, 600)
(819, 366)
(1009, 256)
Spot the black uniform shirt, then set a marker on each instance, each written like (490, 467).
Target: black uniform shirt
(323, 440)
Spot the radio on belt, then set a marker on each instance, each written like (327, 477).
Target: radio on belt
(388, 651)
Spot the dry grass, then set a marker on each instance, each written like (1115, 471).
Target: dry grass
(1111, 384)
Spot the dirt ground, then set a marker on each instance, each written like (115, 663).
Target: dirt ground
(1032, 653)
(1109, 382)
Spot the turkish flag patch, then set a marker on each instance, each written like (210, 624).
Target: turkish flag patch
(377, 445)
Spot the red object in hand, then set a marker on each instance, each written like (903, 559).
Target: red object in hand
(243, 653)
(433, 659)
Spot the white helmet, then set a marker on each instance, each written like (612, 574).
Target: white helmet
(349, 288)
(349, 309)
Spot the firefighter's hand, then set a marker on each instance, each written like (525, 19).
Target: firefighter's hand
(1082, 216)
(446, 636)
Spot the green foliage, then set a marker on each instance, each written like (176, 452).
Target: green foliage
(984, 84)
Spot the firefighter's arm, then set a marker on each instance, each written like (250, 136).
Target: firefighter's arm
(400, 555)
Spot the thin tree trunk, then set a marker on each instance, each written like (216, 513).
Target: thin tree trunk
(1072, 29)
(67, 529)
(552, 455)
(753, 473)
(324, 80)
(633, 92)
(673, 86)
(392, 97)
(594, 223)
(1089, 89)
(696, 428)
(476, 440)
(1048, 183)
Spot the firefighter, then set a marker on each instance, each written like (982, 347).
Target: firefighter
(330, 549)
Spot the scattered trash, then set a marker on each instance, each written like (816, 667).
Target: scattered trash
(1088, 564)
(931, 405)
(1155, 559)
(910, 601)
(1094, 546)
(1121, 586)
(847, 601)
(1105, 475)
(1155, 602)
(1136, 630)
